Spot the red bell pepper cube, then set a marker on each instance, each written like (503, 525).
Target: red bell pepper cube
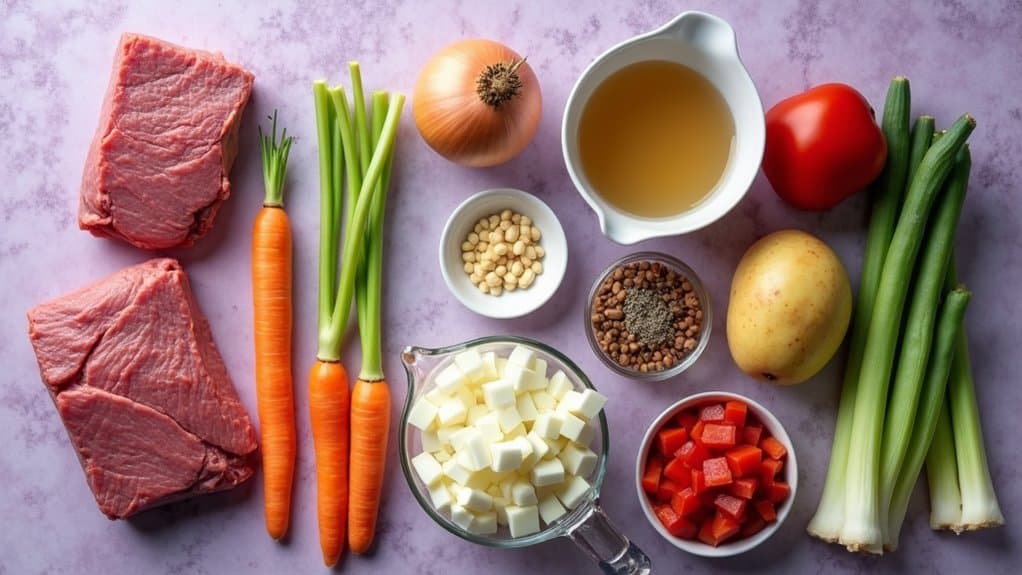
(773, 448)
(693, 454)
(766, 510)
(778, 491)
(753, 525)
(735, 412)
(697, 432)
(718, 530)
(670, 440)
(686, 502)
(730, 504)
(718, 435)
(676, 471)
(698, 481)
(716, 472)
(675, 524)
(651, 477)
(751, 434)
(687, 419)
(768, 470)
(744, 460)
(666, 490)
(744, 487)
(712, 412)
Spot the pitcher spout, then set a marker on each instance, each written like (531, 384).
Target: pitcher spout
(705, 32)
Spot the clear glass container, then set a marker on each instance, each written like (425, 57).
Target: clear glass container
(586, 525)
(704, 334)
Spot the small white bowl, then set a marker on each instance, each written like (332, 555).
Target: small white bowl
(790, 471)
(520, 301)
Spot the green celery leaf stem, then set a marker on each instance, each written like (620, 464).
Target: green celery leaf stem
(372, 359)
(361, 123)
(942, 474)
(324, 122)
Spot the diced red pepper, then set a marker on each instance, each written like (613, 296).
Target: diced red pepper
(716, 472)
(773, 448)
(687, 419)
(731, 505)
(693, 454)
(768, 469)
(718, 435)
(686, 502)
(666, 490)
(676, 471)
(719, 530)
(753, 525)
(675, 524)
(697, 431)
(744, 460)
(651, 477)
(712, 412)
(698, 481)
(744, 487)
(751, 434)
(766, 510)
(734, 413)
(670, 440)
(778, 491)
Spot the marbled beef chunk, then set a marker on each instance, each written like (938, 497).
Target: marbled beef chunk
(143, 392)
(157, 170)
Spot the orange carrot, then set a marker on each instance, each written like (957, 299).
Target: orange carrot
(271, 305)
(329, 415)
(370, 423)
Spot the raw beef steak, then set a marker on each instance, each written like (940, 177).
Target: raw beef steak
(143, 392)
(157, 169)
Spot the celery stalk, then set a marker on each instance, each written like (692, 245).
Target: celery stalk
(942, 475)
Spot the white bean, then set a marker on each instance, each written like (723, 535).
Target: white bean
(530, 252)
(505, 215)
(517, 268)
(526, 221)
(537, 268)
(536, 234)
(511, 234)
(469, 267)
(527, 278)
(500, 249)
(519, 248)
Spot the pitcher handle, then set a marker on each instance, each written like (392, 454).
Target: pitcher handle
(605, 544)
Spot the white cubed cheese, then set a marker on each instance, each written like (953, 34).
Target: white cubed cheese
(505, 456)
(524, 379)
(521, 356)
(505, 486)
(524, 445)
(526, 408)
(509, 418)
(522, 521)
(588, 432)
(500, 506)
(466, 396)
(548, 425)
(475, 412)
(430, 441)
(499, 393)
(578, 459)
(523, 493)
(452, 411)
(550, 509)
(422, 413)
(501, 366)
(515, 432)
(476, 452)
(584, 405)
(543, 401)
(571, 426)
(559, 383)
(456, 471)
(461, 435)
(556, 445)
(490, 366)
(442, 456)
(441, 497)
(539, 366)
(436, 396)
(494, 491)
(474, 500)
(480, 479)
(428, 468)
(484, 523)
(539, 446)
(573, 492)
(461, 517)
(471, 364)
(446, 434)
(489, 426)
(547, 472)
(449, 379)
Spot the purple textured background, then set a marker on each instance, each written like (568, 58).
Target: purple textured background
(54, 64)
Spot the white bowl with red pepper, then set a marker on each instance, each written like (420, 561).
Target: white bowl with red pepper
(648, 316)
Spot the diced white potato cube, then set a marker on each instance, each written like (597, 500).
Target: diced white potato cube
(489, 426)
(578, 459)
(522, 521)
(446, 433)
(588, 432)
(500, 506)
(506, 484)
(461, 435)
(585, 404)
(471, 364)
(573, 492)
(422, 414)
(501, 366)
(505, 456)
(456, 471)
(508, 417)
(450, 379)
(452, 411)
(547, 472)
(559, 383)
(571, 426)
(539, 446)
(543, 401)
(526, 408)
(428, 469)
(430, 441)
(548, 491)
(539, 365)
(441, 497)
(523, 493)
(550, 509)
(466, 396)
(556, 446)
(490, 366)
(548, 425)
(475, 412)
(521, 356)
(461, 517)
(474, 500)
(524, 445)
(476, 451)
(480, 479)
(515, 432)
(436, 396)
(442, 456)
(499, 393)
(524, 379)
(484, 523)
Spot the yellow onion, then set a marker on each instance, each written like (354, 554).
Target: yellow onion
(477, 103)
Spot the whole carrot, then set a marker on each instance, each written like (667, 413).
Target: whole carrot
(271, 306)
(328, 411)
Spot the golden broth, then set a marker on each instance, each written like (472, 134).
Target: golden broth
(654, 138)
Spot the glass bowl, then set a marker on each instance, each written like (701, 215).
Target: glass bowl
(687, 360)
(586, 525)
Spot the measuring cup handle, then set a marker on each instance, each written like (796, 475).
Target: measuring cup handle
(605, 544)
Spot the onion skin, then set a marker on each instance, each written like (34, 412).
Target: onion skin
(457, 123)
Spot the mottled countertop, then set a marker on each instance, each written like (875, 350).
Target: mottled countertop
(54, 64)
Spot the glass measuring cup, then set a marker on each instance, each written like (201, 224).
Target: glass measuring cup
(586, 525)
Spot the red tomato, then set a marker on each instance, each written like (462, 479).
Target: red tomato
(822, 146)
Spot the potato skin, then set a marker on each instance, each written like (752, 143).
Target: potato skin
(790, 306)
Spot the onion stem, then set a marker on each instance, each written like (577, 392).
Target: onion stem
(942, 474)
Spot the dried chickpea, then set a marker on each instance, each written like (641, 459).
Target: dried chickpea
(510, 278)
(516, 219)
(510, 287)
(500, 249)
(466, 246)
(526, 221)
(501, 253)
(473, 238)
(511, 234)
(483, 287)
(484, 223)
(536, 234)
(500, 270)
(492, 279)
(489, 266)
(496, 290)
(519, 248)
(494, 220)
(469, 267)
(530, 252)
(526, 261)
(482, 247)
(540, 252)
(468, 257)
(495, 237)
(527, 278)
(537, 268)
(505, 215)
(517, 268)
